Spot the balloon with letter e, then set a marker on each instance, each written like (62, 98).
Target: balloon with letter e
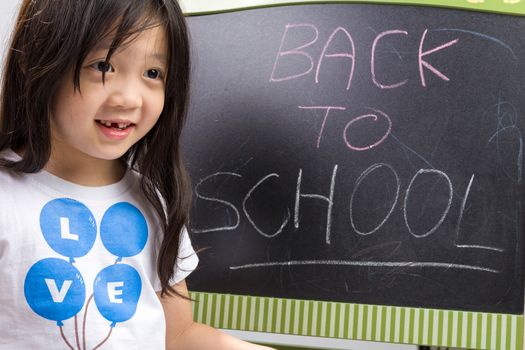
(117, 291)
(68, 227)
(55, 289)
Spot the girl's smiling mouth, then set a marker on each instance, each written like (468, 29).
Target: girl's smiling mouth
(115, 130)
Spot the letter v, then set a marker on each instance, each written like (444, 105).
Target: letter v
(58, 295)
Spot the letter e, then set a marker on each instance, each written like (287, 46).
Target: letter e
(113, 292)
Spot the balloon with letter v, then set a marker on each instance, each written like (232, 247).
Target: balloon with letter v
(55, 289)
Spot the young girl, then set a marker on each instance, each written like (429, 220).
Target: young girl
(94, 197)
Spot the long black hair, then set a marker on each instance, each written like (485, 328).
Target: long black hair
(52, 37)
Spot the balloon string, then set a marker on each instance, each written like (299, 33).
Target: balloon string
(76, 333)
(84, 323)
(99, 345)
(64, 337)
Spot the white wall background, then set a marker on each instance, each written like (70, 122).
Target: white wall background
(8, 13)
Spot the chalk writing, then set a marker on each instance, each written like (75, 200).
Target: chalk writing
(327, 111)
(217, 200)
(373, 60)
(446, 266)
(360, 179)
(350, 55)
(368, 116)
(445, 212)
(329, 200)
(461, 213)
(298, 54)
(428, 52)
(295, 51)
(247, 197)
(351, 146)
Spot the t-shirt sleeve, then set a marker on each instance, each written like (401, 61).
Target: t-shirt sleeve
(187, 259)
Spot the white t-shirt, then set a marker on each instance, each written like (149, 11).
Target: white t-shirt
(77, 265)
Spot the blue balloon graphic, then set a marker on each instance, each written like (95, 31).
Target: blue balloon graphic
(117, 291)
(68, 227)
(55, 289)
(123, 230)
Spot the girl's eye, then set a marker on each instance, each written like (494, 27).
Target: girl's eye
(153, 74)
(103, 66)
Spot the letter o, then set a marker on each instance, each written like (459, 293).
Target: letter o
(358, 183)
(364, 116)
(436, 226)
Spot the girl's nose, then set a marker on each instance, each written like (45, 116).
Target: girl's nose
(124, 93)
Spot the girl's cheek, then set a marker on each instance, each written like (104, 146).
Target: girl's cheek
(158, 102)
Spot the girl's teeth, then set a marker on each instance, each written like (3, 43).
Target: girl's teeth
(109, 124)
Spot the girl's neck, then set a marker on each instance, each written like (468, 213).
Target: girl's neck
(84, 170)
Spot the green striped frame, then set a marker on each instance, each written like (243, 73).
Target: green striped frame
(407, 325)
(200, 7)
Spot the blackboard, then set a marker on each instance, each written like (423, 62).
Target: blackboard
(359, 153)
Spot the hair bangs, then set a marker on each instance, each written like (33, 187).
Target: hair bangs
(117, 22)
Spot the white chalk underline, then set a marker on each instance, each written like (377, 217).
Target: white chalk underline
(409, 264)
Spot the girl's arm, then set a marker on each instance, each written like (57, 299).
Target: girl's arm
(184, 334)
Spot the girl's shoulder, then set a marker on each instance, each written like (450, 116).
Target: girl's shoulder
(9, 180)
(15, 196)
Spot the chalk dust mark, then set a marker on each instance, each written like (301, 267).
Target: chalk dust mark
(481, 35)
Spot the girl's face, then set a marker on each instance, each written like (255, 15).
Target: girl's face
(103, 120)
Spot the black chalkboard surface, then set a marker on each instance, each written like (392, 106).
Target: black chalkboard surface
(359, 153)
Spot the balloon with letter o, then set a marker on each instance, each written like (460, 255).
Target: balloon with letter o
(123, 230)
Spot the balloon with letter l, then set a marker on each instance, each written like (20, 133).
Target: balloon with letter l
(68, 227)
